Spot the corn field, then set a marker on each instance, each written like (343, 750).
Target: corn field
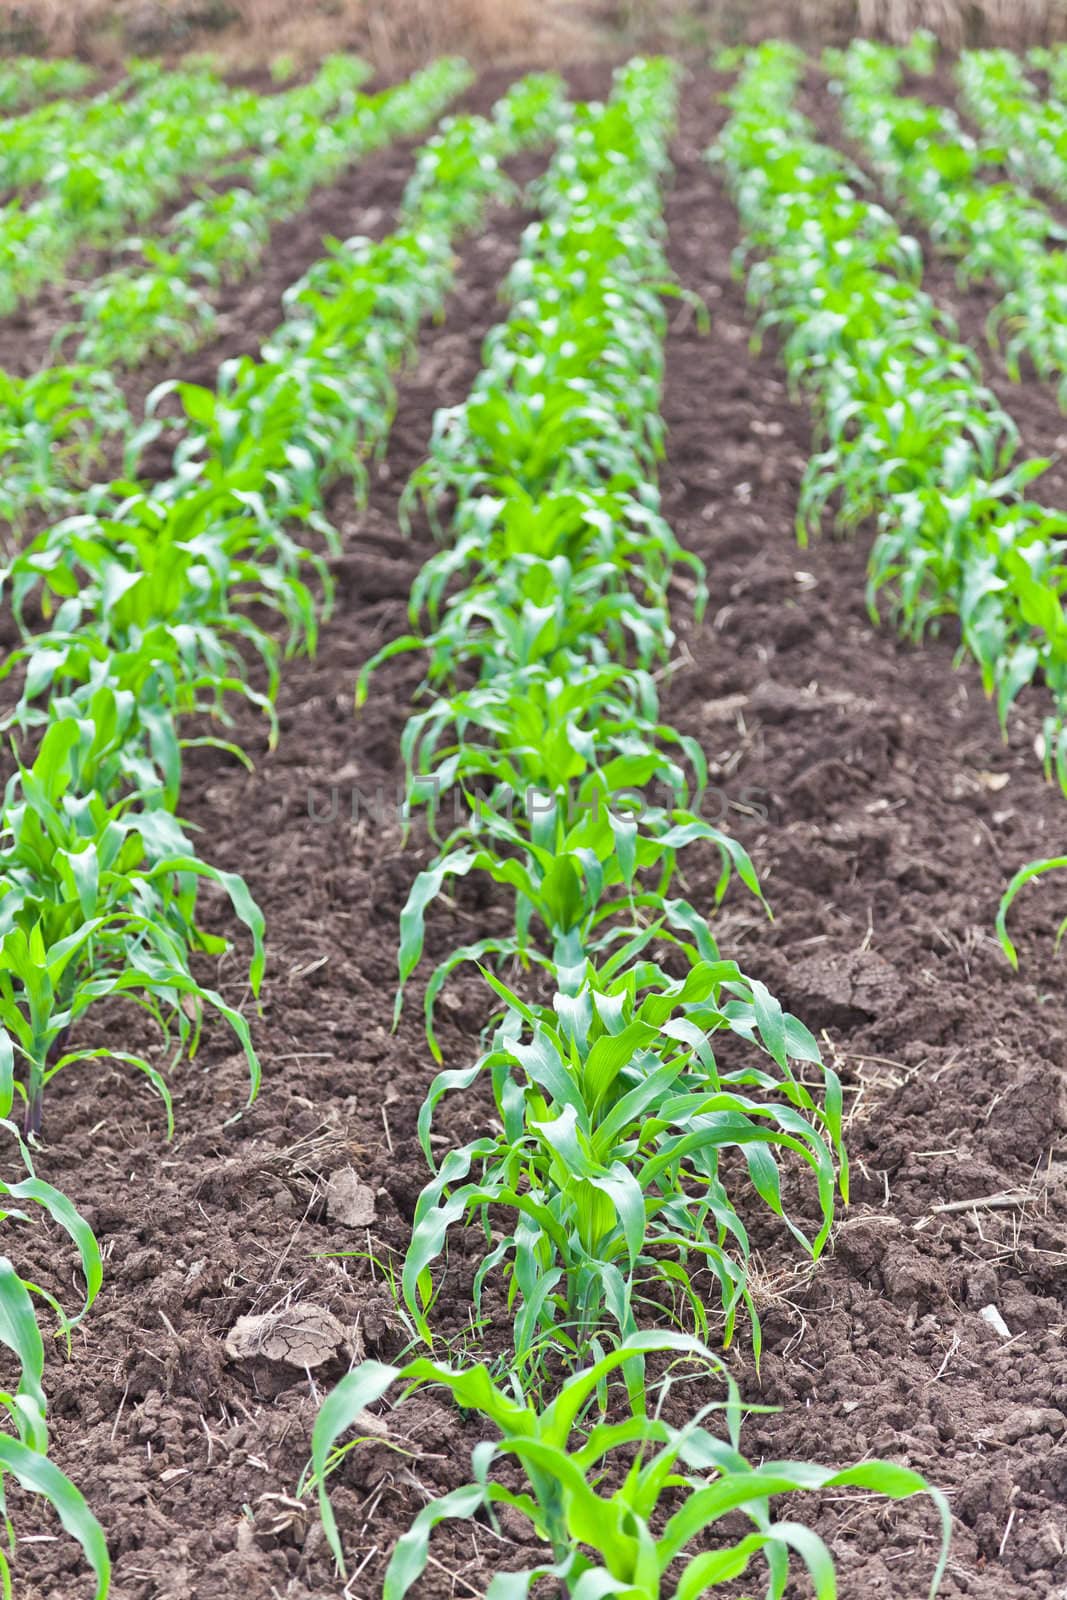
(534, 699)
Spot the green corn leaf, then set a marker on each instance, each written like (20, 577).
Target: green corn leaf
(1025, 875)
(38, 1475)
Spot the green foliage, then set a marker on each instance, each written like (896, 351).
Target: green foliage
(612, 1113)
(39, 137)
(600, 1184)
(1053, 61)
(98, 899)
(997, 232)
(912, 436)
(24, 1454)
(1030, 131)
(550, 609)
(145, 598)
(678, 1488)
(1026, 874)
(26, 80)
(147, 605)
(161, 302)
(53, 425)
(105, 170)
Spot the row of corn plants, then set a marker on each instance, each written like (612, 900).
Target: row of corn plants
(161, 300)
(108, 163)
(163, 133)
(608, 1181)
(55, 422)
(911, 435)
(997, 232)
(32, 144)
(147, 599)
(1030, 129)
(127, 163)
(27, 80)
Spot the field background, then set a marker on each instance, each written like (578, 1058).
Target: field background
(395, 34)
(867, 780)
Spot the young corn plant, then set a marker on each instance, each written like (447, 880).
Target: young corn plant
(164, 674)
(97, 900)
(53, 425)
(580, 740)
(539, 613)
(24, 1457)
(635, 1507)
(588, 881)
(603, 1191)
(1026, 874)
(24, 1449)
(621, 533)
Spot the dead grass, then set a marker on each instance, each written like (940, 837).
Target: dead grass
(962, 22)
(398, 34)
(393, 34)
(956, 22)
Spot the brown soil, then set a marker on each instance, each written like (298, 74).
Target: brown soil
(894, 816)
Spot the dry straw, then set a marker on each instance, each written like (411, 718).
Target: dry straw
(957, 23)
(248, 33)
(960, 22)
(402, 33)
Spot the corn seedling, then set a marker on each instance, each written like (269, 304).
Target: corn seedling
(24, 1451)
(98, 899)
(661, 1534)
(613, 1112)
(1026, 874)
